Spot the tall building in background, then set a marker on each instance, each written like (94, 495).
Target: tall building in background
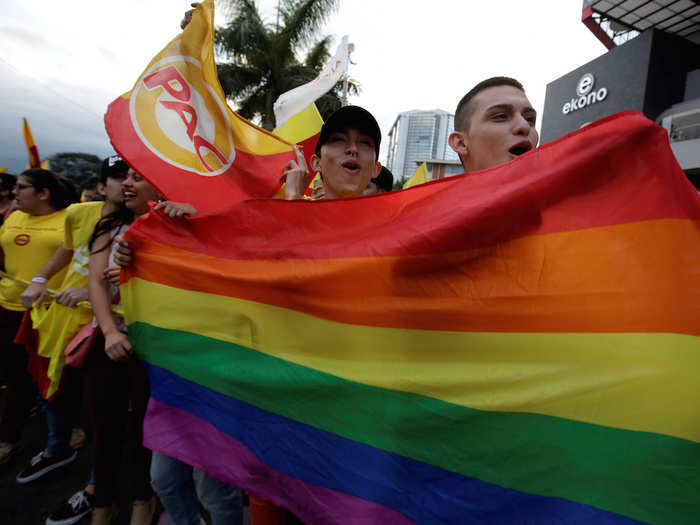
(421, 136)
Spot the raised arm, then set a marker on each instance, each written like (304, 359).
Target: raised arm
(295, 176)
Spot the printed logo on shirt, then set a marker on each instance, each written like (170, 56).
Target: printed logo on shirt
(22, 239)
(81, 260)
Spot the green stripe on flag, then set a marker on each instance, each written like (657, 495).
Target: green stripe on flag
(648, 477)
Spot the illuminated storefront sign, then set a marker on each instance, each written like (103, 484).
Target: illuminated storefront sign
(587, 95)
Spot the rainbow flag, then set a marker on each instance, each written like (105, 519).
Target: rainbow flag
(175, 128)
(516, 345)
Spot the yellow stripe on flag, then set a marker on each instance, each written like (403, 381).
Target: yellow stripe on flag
(619, 380)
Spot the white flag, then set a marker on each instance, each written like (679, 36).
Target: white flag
(297, 99)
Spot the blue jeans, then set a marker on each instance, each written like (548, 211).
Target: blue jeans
(178, 485)
(59, 429)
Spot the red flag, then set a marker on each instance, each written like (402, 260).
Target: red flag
(175, 128)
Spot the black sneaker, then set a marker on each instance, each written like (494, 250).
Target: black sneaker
(41, 464)
(74, 510)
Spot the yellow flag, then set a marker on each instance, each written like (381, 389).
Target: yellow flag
(301, 126)
(32, 151)
(57, 325)
(420, 176)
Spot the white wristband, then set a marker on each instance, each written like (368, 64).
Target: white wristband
(40, 280)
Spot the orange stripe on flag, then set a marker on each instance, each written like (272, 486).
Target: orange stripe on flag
(531, 284)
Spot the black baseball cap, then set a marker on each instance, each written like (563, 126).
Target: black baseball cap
(353, 116)
(114, 167)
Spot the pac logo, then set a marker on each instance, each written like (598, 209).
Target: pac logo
(182, 121)
(22, 239)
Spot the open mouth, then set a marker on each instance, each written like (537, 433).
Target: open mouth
(351, 166)
(128, 194)
(520, 148)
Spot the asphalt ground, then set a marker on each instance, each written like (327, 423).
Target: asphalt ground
(32, 503)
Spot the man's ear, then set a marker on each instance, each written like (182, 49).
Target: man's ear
(101, 189)
(315, 163)
(459, 142)
(377, 170)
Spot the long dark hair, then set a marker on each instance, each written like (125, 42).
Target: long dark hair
(109, 223)
(62, 191)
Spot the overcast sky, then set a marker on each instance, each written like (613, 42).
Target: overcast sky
(61, 63)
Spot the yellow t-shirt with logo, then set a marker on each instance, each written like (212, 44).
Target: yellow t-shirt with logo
(81, 220)
(28, 242)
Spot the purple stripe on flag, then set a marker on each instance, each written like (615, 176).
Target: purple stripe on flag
(182, 435)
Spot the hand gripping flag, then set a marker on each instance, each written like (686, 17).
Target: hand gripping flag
(175, 128)
(516, 345)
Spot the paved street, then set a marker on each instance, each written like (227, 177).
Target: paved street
(31, 503)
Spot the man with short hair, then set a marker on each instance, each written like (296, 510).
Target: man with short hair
(346, 156)
(494, 123)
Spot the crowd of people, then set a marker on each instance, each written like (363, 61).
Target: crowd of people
(62, 263)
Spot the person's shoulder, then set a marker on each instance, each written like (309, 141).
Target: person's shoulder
(80, 210)
(16, 218)
(84, 207)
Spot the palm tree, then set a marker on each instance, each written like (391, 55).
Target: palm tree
(261, 60)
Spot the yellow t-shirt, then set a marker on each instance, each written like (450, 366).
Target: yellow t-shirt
(28, 242)
(57, 324)
(81, 220)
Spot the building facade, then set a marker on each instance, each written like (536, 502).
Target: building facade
(656, 72)
(418, 136)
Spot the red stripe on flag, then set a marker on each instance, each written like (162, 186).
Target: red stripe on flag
(616, 171)
(34, 161)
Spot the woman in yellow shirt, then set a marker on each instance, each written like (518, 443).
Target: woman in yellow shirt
(28, 238)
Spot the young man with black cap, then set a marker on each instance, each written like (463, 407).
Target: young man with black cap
(346, 156)
(494, 123)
